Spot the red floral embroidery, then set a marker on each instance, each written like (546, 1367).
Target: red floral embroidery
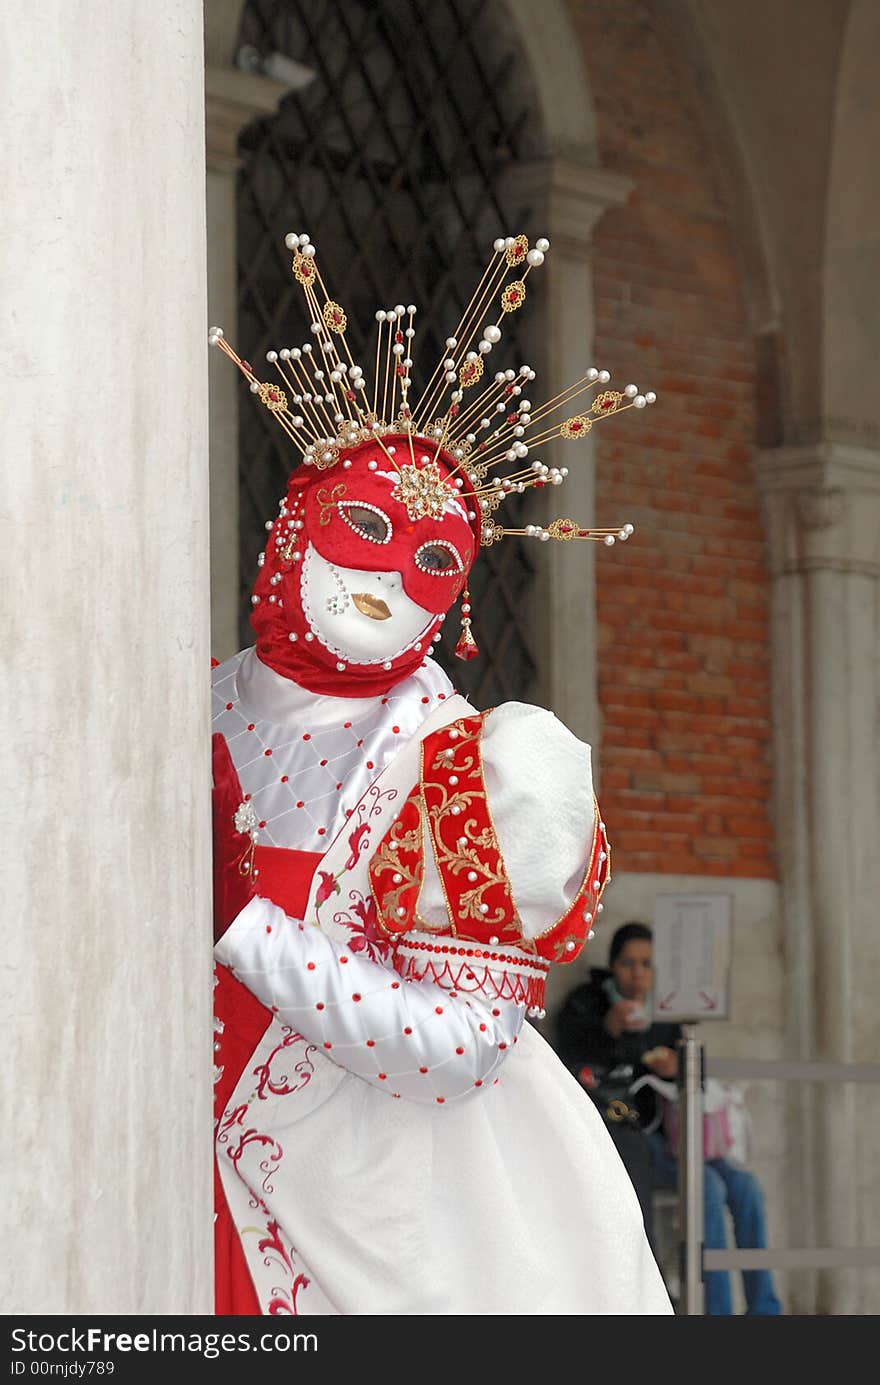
(327, 887)
(284, 1083)
(365, 936)
(354, 841)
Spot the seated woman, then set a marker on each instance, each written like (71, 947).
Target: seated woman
(608, 1038)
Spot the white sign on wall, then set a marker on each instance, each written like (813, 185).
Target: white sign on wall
(692, 952)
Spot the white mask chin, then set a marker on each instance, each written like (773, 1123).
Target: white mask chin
(362, 617)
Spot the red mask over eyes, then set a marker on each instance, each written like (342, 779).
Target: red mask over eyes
(370, 518)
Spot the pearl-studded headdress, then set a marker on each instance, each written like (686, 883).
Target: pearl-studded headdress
(471, 429)
(323, 403)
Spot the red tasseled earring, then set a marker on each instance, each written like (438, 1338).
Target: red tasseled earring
(467, 645)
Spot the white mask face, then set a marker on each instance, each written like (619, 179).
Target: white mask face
(363, 617)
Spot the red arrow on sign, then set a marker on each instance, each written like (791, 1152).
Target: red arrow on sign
(710, 1002)
(667, 1000)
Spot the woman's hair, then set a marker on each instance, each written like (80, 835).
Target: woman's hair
(625, 934)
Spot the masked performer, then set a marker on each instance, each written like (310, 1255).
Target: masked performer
(395, 872)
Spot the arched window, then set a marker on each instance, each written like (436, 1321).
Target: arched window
(392, 152)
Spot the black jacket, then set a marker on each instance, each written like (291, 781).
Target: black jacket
(607, 1067)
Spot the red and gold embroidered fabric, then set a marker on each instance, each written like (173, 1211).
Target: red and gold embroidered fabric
(451, 800)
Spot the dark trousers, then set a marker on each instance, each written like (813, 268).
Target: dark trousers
(635, 1151)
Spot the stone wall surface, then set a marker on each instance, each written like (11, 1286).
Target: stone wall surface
(106, 981)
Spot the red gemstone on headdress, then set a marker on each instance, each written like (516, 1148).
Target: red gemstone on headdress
(400, 370)
(508, 389)
(513, 295)
(398, 336)
(350, 394)
(274, 396)
(467, 645)
(511, 418)
(247, 366)
(565, 528)
(608, 404)
(576, 427)
(453, 411)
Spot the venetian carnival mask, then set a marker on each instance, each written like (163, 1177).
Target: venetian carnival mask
(381, 524)
(363, 563)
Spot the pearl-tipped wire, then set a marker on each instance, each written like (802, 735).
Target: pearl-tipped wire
(525, 274)
(388, 323)
(393, 362)
(332, 359)
(526, 477)
(379, 325)
(315, 405)
(299, 366)
(490, 394)
(407, 379)
(539, 439)
(469, 332)
(284, 417)
(404, 389)
(439, 449)
(536, 530)
(466, 329)
(342, 336)
(316, 425)
(566, 396)
(421, 408)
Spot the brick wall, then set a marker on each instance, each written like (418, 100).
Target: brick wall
(683, 608)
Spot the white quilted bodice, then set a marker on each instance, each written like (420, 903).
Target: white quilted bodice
(305, 760)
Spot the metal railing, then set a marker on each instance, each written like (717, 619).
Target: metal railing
(695, 1259)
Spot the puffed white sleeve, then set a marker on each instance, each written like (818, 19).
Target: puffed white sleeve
(539, 786)
(411, 1039)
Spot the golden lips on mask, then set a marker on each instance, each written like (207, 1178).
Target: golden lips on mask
(369, 605)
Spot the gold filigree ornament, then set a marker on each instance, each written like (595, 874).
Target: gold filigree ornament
(422, 491)
(577, 427)
(335, 317)
(608, 402)
(513, 296)
(564, 529)
(274, 398)
(515, 254)
(470, 372)
(304, 269)
(328, 503)
(326, 455)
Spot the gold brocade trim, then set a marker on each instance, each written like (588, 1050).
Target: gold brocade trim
(479, 838)
(407, 839)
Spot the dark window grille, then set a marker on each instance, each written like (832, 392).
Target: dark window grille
(392, 156)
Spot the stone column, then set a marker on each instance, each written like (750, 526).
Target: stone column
(569, 194)
(823, 509)
(232, 100)
(105, 988)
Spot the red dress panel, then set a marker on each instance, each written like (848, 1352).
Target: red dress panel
(284, 877)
